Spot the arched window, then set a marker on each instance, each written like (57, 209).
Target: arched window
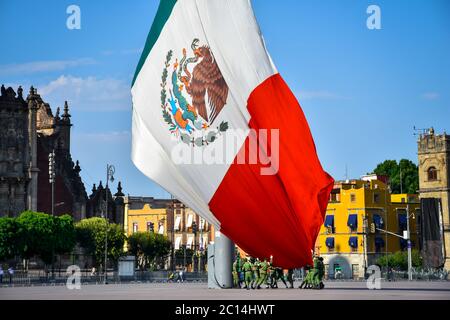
(432, 174)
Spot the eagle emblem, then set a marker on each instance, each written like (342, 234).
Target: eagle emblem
(193, 94)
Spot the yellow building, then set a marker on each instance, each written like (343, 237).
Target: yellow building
(146, 214)
(346, 242)
(171, 218)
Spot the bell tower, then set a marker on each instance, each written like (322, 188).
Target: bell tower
(434, 180)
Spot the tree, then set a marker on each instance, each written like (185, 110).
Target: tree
(10, 238)
(38, 238)
(44, 235)
(399, 260)
(64, 234)
(90, 235)
(149, 248)
(409, 175)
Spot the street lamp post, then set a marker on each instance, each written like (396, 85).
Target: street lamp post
(408, 239)
(173, 233)
(52, 176)
(110, 170)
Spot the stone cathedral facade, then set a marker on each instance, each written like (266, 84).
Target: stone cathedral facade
(434, 182)
(29, 131)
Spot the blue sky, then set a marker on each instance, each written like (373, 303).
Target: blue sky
(362, 90)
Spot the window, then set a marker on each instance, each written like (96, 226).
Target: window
(355, 271)
(150, 226)
(177, 242)
(329, 223)
(202, 224)
(190, 241)
(177, 223)
(402, 222)
(189, 222)
(329, 242)
(352, 222)
(378, 220)
(353, 243)
(203, 242)
(135, 227)
(432, 174)
(161, 229)
(376, 197)
(352, 197)
(379, 244)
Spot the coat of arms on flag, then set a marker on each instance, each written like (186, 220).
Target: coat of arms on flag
(193, 94)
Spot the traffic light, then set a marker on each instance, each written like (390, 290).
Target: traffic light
(372, 228)
(194, 227)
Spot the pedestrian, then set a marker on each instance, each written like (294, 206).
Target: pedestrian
(1, 274)
(181, 275)
(11, 274)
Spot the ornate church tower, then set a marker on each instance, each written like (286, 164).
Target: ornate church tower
(32, 138)
(434, 183)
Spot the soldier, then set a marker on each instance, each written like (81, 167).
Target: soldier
(271, 274)
(240, 273)
(263, 269)
(289, 276)
(247, 268)
(255, 270)
(320, 273)
(306, 278)
(278, 275)
(235, 275)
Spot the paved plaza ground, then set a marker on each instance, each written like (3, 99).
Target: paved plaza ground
(401, 290)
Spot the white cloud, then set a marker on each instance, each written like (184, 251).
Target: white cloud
(88, 94)
(322, 95)
(42, 66)
(430, 96)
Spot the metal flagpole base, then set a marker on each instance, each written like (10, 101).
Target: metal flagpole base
(220, 262)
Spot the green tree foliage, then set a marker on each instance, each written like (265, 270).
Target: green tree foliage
(410, 175)
(10, 238)
(148, 247)
(90, 234)
(64, 234)
(399, 260)
(43, 235)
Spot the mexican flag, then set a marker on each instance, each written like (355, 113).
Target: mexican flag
(215, 125)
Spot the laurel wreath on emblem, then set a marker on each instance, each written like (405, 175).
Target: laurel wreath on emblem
(185, 121)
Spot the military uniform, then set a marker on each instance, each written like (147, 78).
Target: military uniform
(255, 270)
(306, 280)
(247, 268)
(290, 277)
(263, 269)
(235, 275)
(320, 273)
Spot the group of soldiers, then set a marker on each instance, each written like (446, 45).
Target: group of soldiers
(250, 273)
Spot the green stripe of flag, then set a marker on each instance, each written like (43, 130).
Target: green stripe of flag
(162, 15)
